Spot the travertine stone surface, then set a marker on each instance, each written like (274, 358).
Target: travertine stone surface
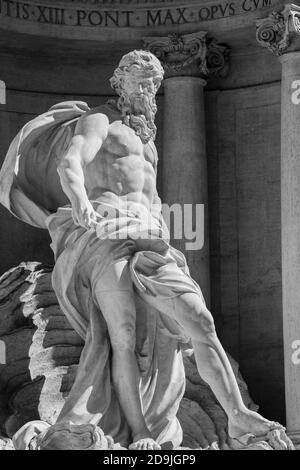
(280, 34)
(187, 61)
(29, 66)
(278, 31)
(290, 214)
(42, 350)
(42, 357)
(202, 418)
(103, 20)
(184, 146)
(194, 54)
(6, 444)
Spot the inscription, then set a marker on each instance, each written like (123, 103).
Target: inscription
(83, 17)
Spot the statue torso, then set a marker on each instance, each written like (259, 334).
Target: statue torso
(123, 168)
(121, 171)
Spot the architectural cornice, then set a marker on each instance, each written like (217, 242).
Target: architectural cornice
(189, 54)
(279, 30)
(124, 3)
(132, 19)
(217, 58)
(178, 53)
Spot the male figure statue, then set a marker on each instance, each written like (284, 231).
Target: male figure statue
(130, 297)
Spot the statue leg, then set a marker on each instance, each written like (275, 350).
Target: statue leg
(115, 297)
(87, 403)
(213, 365)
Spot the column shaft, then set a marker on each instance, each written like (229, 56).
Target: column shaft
(184, 163)
(290, 210)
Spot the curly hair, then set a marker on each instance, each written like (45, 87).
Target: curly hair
(144, 60)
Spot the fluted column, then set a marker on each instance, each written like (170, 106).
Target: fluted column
(280, 34)
(187, 61)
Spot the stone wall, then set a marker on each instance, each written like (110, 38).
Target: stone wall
(243, 151)
(244, 176)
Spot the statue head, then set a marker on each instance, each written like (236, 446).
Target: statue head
(136, 81)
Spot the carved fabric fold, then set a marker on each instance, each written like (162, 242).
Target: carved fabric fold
(158, 274)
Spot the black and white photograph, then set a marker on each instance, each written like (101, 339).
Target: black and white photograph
(149, 227)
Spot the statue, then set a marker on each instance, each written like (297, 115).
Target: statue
(89, 177)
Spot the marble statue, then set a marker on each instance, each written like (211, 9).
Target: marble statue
(89, 177)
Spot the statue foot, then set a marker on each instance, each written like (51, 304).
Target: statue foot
(250, 429)
(146, 443)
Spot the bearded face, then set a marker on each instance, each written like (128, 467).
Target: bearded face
(144, 104)
(137, 104)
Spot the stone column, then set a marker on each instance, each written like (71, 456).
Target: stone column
(187, 60)
(279, 33)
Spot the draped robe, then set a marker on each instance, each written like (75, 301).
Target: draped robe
(28, 185)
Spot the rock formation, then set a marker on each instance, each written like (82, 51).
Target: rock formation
(41, 356)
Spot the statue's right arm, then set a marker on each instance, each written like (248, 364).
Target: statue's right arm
(90, 133)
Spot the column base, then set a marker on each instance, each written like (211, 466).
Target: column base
(295, 437)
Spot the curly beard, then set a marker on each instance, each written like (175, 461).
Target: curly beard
(138, 112)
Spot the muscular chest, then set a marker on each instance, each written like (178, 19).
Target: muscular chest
(122, 142)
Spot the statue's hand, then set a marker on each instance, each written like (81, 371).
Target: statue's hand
(84, 214)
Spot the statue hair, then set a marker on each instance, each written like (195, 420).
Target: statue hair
(136, 59)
